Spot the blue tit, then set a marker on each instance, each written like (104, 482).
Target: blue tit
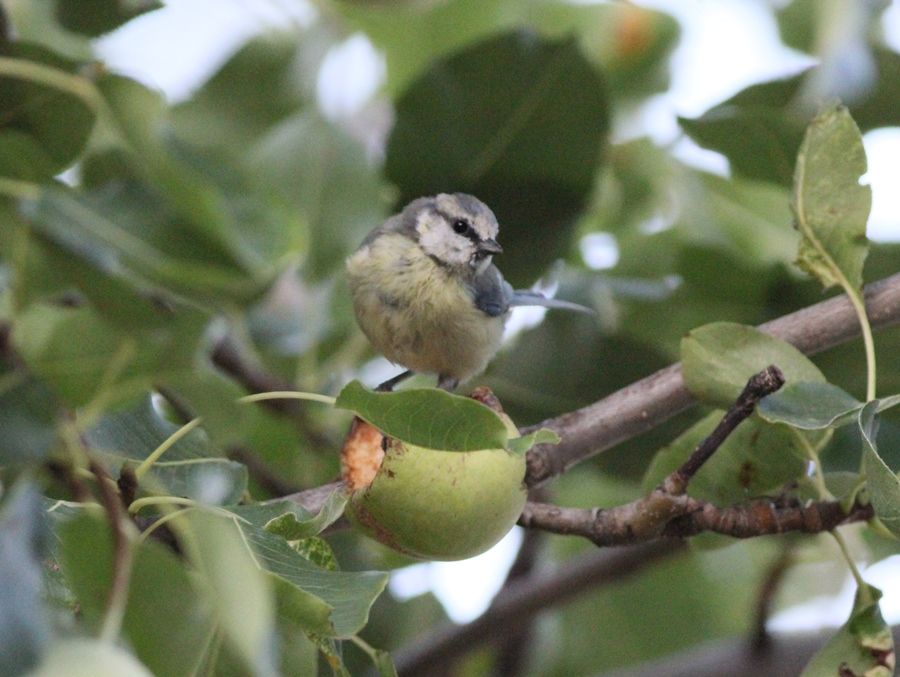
(426, 293)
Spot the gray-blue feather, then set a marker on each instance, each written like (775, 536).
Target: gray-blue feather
(494, 296)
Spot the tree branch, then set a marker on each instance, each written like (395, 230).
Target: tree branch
(649, 402)
(516, 605)
(662, 515)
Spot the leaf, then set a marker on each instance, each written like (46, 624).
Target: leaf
(757, 458)
(293, 523)
(719, 358)
(192, 467)
(776, 138)
(331, 603)
(242, 594)
(428, 417)
(24, 623)
(96, 17)
(28, 416)
(881, 481)
(862, 646)
(830, 206)
(809, 406)
(520, 445)
(528, 134)
(43, 129)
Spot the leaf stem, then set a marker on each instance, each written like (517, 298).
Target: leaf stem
(148, 462)
(136, 505)
(868, 342)
(20, 190)
(62, 81)
(860, 583)
(287, 395)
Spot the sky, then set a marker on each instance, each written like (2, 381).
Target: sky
(740, 33)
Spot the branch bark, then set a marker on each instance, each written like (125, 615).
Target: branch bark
(649, 402)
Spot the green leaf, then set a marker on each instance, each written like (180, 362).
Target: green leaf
(830, 206)
(776, 137)
(520, 445)
(719, 358)
(757, 458)
(96, 17)
(253, 90)
(527, 132)
(809, 406)
(331, 603)
(43, 129)
(863, 645)
(24, 623)
(881, 481)
(293, 523)
(428, 417)
(242, 594)
(28, 416)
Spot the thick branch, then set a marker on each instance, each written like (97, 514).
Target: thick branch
(661, 514)
(516, 604)
(649, 402)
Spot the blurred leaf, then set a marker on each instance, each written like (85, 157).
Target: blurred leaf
(88, 658)
(776, 137)
(43, 129)
(28, 416)
(862, 646)
(756, 459)
(719, 358)
(329, 181)
(80, 356)
(881, 481)
(243, 596)
(24, 623)
(168, 621)
(525, 136)
(830, 205)
(95, 17)
(257, 87)
(810, 406)
(428, 417)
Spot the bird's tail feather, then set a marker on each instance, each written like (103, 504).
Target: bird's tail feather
(526, 297)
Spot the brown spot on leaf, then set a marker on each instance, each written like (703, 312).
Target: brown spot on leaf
(747, 474)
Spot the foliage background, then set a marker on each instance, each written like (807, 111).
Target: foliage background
(226, 217)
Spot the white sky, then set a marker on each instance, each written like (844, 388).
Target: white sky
(727, 45)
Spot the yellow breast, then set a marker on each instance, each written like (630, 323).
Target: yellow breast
(417, 313)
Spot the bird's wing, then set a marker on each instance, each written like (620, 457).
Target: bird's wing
(493, 295)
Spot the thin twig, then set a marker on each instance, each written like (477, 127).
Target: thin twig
(651, 401)
(761, 384)
(517, 604)
(122, 554)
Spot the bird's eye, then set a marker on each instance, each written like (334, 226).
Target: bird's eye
(460, 226)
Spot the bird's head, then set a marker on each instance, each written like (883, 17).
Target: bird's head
(456, 230)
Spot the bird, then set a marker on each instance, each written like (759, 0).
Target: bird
(426, 293)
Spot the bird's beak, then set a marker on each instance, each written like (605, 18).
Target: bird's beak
(489, 247)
